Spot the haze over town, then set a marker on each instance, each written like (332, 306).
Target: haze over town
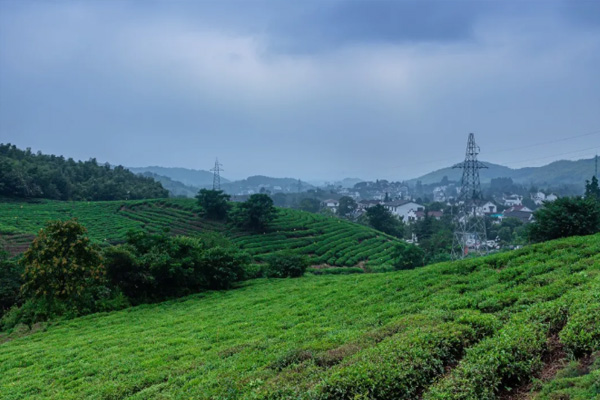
(315, 90)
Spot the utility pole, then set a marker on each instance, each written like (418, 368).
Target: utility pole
(299, 186)
(217, 175)
(470, 235)
(596, 167)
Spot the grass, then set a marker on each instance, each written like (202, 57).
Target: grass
(462, 330)
(325, 240)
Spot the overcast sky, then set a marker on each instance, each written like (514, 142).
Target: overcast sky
(309, 89)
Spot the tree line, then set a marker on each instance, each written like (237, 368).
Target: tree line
(27, 175)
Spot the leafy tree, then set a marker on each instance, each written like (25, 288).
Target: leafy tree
(592, 191)
(407, 256)
(310, 205)
(381, 219)
(10, 282)
(566, 216)
(347, 206)
(214, 203)
(286, 264)
(255, 213)
(62, 266)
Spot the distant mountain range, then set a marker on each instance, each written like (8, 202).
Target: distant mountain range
(196, 178)
(563, 172)
(187, 182)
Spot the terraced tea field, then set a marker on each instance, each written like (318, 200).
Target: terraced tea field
(475, 329)
(325, 240)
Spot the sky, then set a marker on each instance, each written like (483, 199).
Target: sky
(318, 90)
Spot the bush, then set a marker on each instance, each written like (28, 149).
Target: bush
(221, 267)
(157, 266)
(407, 256)
(284, 265)
(581, 334)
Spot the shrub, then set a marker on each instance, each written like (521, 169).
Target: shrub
(407, 256)
(255, 214)
(284, 265)
(222, 266)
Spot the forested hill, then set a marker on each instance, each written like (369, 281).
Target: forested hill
(563, 172)
(24, 174)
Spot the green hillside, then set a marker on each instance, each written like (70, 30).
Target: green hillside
(464, 330)
(325, 240)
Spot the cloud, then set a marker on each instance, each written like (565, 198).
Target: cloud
(311, 89)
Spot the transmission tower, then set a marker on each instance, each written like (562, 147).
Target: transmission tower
(217, 175)
(469, 236)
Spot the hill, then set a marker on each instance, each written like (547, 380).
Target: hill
(557, 173)
(196, 178)
(254, 183)
(175, 188)
(24, 174)
(325, 240)
(475, 329)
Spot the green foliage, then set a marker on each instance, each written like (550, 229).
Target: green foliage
(469, 329)
(214, 203)
(62, 266)
(254, 214)
(27, 175)
(581, 333)
(223, 266)
(407, 256)
(592, 190)
(383, 220)
(324, 240)
(346, 207)
(286, 265)
(10, 282)
(566, 216)
(309, 205)
(157, 266)
(576, 381)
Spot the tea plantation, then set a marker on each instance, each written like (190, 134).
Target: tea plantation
(325, 240)
(476, 329)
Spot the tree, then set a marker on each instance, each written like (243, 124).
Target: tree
(214, 203)
(61, 266)
(566, 216)
(592, 191)
(346, 206)
(407, 256)
(381, 219)
(10, 282)
(310, 205)
(255, 213)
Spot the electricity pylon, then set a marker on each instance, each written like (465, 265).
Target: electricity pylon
(217, 175)
(470, 236)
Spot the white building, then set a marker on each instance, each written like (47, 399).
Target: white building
(487, 208)
(403, 209)
(512, 200)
